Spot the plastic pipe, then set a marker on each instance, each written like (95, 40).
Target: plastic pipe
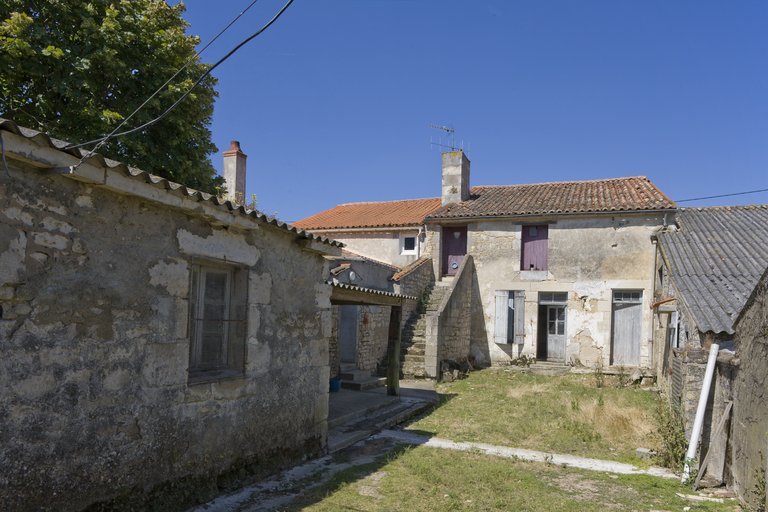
(698, 422)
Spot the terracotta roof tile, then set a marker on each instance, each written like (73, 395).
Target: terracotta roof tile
(567, 197)
(409, 212)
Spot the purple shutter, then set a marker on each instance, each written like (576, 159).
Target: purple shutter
(535, 247)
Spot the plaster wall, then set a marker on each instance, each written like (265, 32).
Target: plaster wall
(588, 258)
(95, 404)
(380, 245)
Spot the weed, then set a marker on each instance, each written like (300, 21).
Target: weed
(622, 377)
(758, 491)
(575, 405)
(523, 360)
(599, 374)
(672, 441)
(548, 459)
(600, 400)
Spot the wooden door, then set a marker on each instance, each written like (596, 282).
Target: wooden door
(454, 249)
(556, 333)
(626, 327)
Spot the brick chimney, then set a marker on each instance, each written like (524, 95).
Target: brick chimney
(455, 177)
(234, 173)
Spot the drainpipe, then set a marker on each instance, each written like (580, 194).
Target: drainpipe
(700, 410)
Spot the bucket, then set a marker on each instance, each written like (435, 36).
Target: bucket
(334, 384)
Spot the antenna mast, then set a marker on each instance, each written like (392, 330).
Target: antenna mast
(451, 134)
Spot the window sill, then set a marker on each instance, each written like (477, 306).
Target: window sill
(534, 275)
(209, 376)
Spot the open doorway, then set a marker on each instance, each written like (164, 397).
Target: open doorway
(551, 327)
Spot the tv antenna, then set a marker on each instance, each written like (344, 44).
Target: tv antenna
(450, 133)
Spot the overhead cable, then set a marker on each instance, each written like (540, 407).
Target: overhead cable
(103, 140)
(723, 195)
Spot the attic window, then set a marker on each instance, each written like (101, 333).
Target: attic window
(408, 245)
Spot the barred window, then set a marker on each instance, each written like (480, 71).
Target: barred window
(217, 322)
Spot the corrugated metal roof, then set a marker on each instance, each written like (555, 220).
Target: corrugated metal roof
(344, 286)
(159, 182)
(716, 259)
(408, 212)
(566, 197)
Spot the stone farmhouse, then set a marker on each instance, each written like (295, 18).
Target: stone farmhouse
(153, 339)
(711, 288)
(560, 272)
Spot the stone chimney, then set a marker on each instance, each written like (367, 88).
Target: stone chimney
(455, 177)
(234, 173)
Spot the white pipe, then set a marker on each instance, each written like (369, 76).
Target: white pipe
(693, 444)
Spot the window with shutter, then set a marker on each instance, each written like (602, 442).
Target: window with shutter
(534, 247)
(509, 323)
(217, 304)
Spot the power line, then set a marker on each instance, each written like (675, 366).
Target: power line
(723, 195)
(99, 142)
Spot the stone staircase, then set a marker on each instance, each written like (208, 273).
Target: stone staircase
(414, 342)
(359, 380)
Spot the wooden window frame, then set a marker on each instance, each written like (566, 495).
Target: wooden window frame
(231, 361)
(409, 252)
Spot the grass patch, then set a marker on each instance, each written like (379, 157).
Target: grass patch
(427, 479)
(566, 414)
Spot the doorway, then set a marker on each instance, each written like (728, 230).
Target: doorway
(454, 249)
(551, 344)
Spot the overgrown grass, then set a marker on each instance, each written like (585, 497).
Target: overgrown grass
(566, 414)
(427, 479)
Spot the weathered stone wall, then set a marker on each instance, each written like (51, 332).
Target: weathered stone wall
(95, 401)
(749, 431)
(416, 283)
(334, 356)
(588, 258)
(448, 331)
(380, 245)
(372, 337)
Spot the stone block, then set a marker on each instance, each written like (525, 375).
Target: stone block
(165, 364)
(50, 240)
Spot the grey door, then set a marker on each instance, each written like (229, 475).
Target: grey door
(626, 327)
(556, 333)
(348, 333)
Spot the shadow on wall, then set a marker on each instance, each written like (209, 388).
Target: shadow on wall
(478, 335)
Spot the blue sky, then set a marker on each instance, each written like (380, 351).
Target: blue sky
(334, 103)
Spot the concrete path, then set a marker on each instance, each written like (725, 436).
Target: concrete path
(282, 489)
(605, 466)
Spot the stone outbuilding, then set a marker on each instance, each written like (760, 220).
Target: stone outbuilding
(710, 288)
(155, 341)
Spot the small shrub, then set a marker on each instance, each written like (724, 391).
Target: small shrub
(599, 374)
(523, 360)
(672, 441)
(622, 377)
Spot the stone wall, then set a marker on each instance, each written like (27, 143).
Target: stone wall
(380, 245)
(416, 281)
(96, 404)
(448, 331)
(372, 337)
(749, 431)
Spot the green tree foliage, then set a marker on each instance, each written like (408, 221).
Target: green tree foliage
(75, 68)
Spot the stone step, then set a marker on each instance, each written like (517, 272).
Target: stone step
(550, 369)
(413, 358)
(362, 385)
(354, 375)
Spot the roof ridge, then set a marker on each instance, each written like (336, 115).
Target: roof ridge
(562, 182)
(389, 201)
(725, 206)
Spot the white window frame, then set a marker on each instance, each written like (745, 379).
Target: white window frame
(409, 252)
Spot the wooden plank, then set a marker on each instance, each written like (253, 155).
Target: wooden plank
(719, 429)
(500, 320)
(520, 317)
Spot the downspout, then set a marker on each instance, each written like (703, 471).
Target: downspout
(698, 422)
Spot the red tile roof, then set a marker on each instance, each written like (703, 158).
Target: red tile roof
(567, 197)
(409, 212)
